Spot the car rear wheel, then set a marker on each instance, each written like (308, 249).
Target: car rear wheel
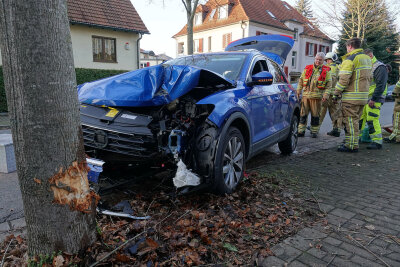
(229, 161)
(289, 145)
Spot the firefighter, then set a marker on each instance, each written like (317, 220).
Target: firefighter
(314, 81)
(327, 103)
(376, 97)
(395, 136)
(352, 88)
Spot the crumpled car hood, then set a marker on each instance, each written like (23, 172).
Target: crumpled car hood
(153, 86)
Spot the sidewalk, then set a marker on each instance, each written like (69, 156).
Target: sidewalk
(4, 121)
(361, 195)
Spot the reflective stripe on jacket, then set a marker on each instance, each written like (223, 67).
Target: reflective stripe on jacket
(396, 91)
(354, 78)
(313, 84)
(334, 74)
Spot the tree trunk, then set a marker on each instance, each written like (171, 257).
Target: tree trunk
(42, 99)
(190, 37)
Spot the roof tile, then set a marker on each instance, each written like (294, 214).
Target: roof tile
(116, 14)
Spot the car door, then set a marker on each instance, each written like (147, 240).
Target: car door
(264, 102)
(281, 118)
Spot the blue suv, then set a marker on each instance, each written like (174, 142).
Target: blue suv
(211, 111)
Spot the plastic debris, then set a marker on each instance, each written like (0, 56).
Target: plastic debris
(121, 214)
(185, 177)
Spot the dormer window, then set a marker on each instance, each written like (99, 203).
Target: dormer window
(223, 12)
(198, 18)
(309, 25)
(270, 13)
(212, 14)
(286, 6)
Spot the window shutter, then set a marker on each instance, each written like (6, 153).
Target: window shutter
(287, 71)
(307, 48)
(315, 49)
(258, 33)
(201, 45)
(148, 64)
(320, 48)
(224, 41)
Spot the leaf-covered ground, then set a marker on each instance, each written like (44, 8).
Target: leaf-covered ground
(190, 230)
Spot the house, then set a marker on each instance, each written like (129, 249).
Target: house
(219, 22)
(105, 34)
(149, 58)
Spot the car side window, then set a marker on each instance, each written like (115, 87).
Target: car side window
(259, 66)
(277, 73)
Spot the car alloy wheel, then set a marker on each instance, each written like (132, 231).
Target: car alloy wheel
(233, 162)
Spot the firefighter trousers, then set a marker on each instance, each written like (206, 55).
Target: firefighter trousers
(350, 116)
(370, 119)
(334, 110)
(313, 106)
(396, 121)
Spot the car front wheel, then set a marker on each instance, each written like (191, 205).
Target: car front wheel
(289, 145)
(229, 161)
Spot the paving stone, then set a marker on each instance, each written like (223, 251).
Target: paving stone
(312, 233)
(18, 223)
(326, 207)
(296, 264)
(356, 250)
(335, 220)
(318, 253)
(272, 261)
(342, 213)
(285, 252)
(4, 227)
(298, 242)
(310, 260)
(340, 262)
(364, 262)
(394, 247)
(332, 241)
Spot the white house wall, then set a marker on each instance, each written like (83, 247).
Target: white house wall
(216, 37)
(82, 48)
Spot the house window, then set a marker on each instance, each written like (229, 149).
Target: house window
(104, 49)
(226, 39)
(310, 49)
(209, 43)
(212, 14)
(181, 48)
(198, 18)
(294, 59)
(223, 12)
(261, 33)
(296, 33)
(198, 45)
(322, 48)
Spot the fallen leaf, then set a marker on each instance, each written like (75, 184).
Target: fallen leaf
(370, 227)
(287, 221)
(273, 218)
(122, 258)
(151, 243)
(37, 180)
(230, 247)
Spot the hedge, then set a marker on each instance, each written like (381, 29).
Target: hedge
(82, 76)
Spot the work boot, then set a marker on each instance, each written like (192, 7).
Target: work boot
(388, 140)
(343, 148)
(374, 146)
(314, 135)
(300, 134)
(335, 132)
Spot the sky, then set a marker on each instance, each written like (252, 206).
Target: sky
(163, 21)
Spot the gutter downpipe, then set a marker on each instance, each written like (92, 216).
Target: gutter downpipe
(138, 50)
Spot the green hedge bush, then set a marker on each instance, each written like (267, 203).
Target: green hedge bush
(82, 76)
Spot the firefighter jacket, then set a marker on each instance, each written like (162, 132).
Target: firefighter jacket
(314, 81)
(354, 78)
(334, 74)
(378, 87)
(396, 91)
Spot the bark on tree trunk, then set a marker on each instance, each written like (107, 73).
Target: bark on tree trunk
(44, 113)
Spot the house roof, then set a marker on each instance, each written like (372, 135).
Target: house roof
(114, 14)
(254, 11)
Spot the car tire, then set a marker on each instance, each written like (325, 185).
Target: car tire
(230, 160)
(289, 145)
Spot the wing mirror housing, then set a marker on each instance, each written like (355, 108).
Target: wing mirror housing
(262, 78)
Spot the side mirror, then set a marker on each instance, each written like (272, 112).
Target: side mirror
(262, 78)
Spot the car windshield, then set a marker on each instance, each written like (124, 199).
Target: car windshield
(227, 65)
